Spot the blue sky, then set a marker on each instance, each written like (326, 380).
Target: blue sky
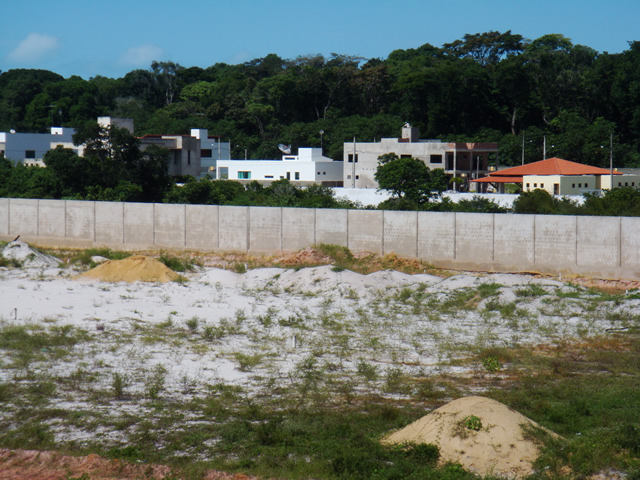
(90, 38)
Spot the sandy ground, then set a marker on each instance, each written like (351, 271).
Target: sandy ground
(200, 331)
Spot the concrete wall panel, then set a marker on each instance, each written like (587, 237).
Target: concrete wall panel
(598, 241)
(436, 236)
(109, 223)
(138, 224)
(629, 243)
(233, 228)
(23, 217)
(365, 231)
(202, 227)
(80, 220)
(513, 237)
(401, 233)
(51, 219)
(474, 237)
(331, 227)
(555, 242)
(169, 224)
(265, 230)
(4, 216)
(599, 246)
(298, 228)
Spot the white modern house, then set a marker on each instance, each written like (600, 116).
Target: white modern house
(194, 154)
(458, 159)
(308, 167)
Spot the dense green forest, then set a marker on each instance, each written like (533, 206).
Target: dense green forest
(489, 86)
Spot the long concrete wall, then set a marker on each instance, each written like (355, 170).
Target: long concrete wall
(607, 247)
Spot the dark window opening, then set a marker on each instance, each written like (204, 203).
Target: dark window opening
(436, 158)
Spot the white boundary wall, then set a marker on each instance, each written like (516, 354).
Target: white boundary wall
(606, 247)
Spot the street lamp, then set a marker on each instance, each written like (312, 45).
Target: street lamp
(321, 137)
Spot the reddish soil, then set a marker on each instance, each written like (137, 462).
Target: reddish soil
(36, 465)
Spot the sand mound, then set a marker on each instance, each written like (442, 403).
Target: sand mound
(29, 257)
(137, 268)
(498, 446)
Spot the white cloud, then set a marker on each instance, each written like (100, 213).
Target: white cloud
(34, 48)
(141, 56)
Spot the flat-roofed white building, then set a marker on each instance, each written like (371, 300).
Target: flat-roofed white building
(308, 167)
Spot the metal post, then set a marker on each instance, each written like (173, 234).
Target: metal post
(611, 161)
(353, 165)
(455, 160)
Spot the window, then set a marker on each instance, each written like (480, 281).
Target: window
(573, 185)
(224, 173)
(350, 157)
(542, 185)
(348, 177)
(188, 157)
(404, 155)
(528, 185)
(30, 154)
(318, 173)
(268, 176)
(535, 185)
(288, 175)
(619, 184)
(297, 176)
(324, 173)
(357, 177)
(626, 184)
(205, 153)
(579, 185)
(436, 158)
(244, 175)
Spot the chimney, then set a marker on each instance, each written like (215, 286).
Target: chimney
(409, 133)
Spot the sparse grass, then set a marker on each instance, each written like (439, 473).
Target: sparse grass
(360, 372)
(177, 264)
(83, 257)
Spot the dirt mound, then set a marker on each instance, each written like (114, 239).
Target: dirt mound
(137, 268)
(483, 435)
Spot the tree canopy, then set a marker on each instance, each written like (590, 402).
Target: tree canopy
(487, 86)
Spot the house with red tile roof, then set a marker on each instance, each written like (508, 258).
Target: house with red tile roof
(559, 177)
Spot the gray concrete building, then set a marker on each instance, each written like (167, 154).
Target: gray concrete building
(458, 159)
(29, 148)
